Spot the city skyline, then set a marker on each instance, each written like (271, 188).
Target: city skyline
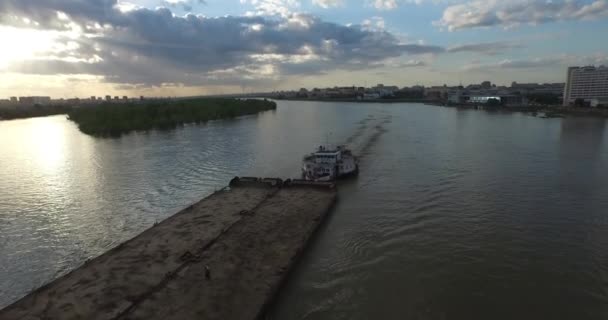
(66, 48)
(108, 97)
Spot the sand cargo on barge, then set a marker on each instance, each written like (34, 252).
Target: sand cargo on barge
(223, 257)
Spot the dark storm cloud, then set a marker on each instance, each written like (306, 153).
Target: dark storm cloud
(155, 46)
(45, 12)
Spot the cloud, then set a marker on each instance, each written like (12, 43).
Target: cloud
(186, 5)
(513, 64)
(409, 64)
(153, 47)
(508, 14)
(45, 14)
(273, 7)
(488, 48)
(384, 4)
(328, 3)
(394, 4)
(562, 60)
(374, 24)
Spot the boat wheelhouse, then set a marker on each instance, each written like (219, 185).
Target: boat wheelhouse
(329, 163)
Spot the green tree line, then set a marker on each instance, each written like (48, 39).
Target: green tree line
(116, 119)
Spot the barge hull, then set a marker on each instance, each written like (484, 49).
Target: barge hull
(221, 258)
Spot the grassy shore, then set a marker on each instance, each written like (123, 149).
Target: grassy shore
(21, 112)
(117, 119)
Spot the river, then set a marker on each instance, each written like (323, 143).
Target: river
(456, 214)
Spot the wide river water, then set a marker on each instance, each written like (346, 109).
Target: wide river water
(456, 214)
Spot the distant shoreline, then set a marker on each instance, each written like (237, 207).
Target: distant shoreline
(359, 100)
(547, 111)
(15, 113)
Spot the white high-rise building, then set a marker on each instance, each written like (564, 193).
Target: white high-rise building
(587, 83)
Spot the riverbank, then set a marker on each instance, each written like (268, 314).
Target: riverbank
(111, 120)
(540, 111)
(354, 100)
(222, 258)
(23, 112)
(561, 112)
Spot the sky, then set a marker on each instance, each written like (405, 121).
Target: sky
(79, 48)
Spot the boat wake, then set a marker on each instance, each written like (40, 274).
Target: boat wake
(367, 134)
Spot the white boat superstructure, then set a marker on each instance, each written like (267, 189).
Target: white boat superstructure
(329, 163)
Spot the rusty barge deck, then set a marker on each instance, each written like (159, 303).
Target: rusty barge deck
(221, 258)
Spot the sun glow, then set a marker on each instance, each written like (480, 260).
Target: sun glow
(22, 44)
